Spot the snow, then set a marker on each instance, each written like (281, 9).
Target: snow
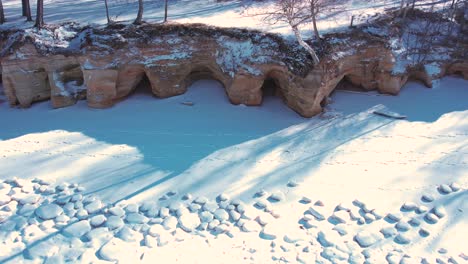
(268, 233)
(131, 208)
(411, 39)
(431, 218)
(145, 148)
(170, 223)
(212, 12)
(97, 220)
(409, 206)
(129, 235)
(136, 218)
(188, 222)
(235, 53)
(223, 197)
(49, 211)
(433, 69)
(221, 215)
(4, 199)
(117, 211)
(444, 189)
(277, 196)
(439, 211)
(110, 251)
(56, 38)
(389, 231)
(402, 226)
(77, 229)
(176, 55)
(93, 207)
(427, 198)
(114, 222)
(316, 214)
(206, 216)
(402, 239)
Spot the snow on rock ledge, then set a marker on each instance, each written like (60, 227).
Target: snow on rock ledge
(105, 65)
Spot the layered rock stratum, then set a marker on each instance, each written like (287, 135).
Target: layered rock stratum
(103, 65)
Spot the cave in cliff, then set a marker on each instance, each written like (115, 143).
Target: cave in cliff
(346, 85)
(143, 87)
(270, 88)
(455, 73)
(2, 92)
(343, 85)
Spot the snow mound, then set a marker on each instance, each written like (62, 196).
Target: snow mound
(49, 211)
(366, 239)
(189, 222)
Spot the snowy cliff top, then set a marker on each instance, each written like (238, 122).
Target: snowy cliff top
(419, 39)
(237, 43)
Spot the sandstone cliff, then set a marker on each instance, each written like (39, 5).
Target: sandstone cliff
(103, 65)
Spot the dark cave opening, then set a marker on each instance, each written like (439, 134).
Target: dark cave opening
(270, 88)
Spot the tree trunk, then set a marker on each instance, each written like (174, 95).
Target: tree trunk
(23, 7)
(305, 45)
(352, 20)
(313, 13)
(2, 15)
(452, 12)
(107, 12)
(140, 13)
(405, 11)
(412, 6)
(27, 10)
(40, 14)
(165, 11)
(402, 4)
(314, 22)
(453, 4)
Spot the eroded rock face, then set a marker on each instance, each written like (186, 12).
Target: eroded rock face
(458, 68)
(106, 66)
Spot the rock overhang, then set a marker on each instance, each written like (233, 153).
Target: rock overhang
(104, 64)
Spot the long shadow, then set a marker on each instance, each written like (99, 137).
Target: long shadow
(415, 101)
(460, 199)
(175, 139)
(169, 136)
(85, 11)
(35, 243)
(243, 165)
(148, 187)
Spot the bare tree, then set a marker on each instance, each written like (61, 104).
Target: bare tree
(402, 5)
(2, 14)
(453, 8)
(140, 13)
(294, 13)
(317, 7)
(23, 7)
(453, 3)
(421, 40)
(165, 10)
(406, 9)
(107, 12)
(40, 14)
(26, 9)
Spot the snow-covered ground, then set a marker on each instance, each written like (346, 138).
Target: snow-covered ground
(194, 179)
(236, 13)
(341, 187)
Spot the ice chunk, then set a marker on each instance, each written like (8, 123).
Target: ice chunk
(365, 239)
(48, 211)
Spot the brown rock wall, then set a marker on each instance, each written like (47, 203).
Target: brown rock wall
(104, 78)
